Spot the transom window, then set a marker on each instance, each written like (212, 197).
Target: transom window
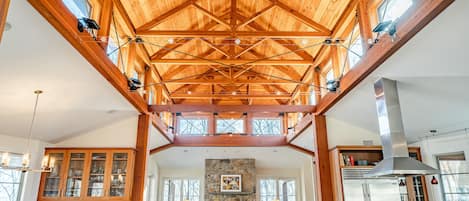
(454, 177)
(356, 48)
(181, 189)
(11, 180)
(193, 126)
(277, 189)
(393, 9)
(79, 8)
(330, 75)
(235, 126)
(267, 126)
(112, 51)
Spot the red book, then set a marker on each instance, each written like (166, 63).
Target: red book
(352, 161)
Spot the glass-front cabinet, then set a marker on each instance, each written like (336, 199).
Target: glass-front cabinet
(89, 174)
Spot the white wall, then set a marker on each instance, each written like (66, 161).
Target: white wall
(20, 145)
(121, 133)
(437, 146)
(342, 133)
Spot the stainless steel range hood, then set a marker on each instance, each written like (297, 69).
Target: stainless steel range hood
(396, 160)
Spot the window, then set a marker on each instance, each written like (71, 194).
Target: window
(11, 180)
(79, 8)
(150, 97)
(181, 190)
(193, 126)
(312, 97)
(230, 125)
(330, 75)
(454, 177)
(393, 9)
(267, 126)
(112, 51)
(356, 50)
(277, 189)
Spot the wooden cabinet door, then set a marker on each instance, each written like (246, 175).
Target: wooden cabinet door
(74, 175)
(121, 172)
(96, 177)
(52, 183)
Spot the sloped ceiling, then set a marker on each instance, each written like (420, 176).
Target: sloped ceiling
(34, 56)
(432, 74)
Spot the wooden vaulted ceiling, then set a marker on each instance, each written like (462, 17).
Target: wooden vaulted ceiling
(193, 46)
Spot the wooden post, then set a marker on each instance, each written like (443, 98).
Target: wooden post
(364, 24)
(142, 152)
(322, 163)
(105, 21)
(4, 4)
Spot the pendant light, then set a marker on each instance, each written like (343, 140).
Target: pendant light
(26, 158)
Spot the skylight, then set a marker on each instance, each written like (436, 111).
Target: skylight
(393, 9)
(79, 8)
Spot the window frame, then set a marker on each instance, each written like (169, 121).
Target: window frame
(242, 119)
(22, 176)
(440, 176)
(279, 118)
(277, 179)
(162, 192)
(397, 19)
(89, 7)
(192, 117)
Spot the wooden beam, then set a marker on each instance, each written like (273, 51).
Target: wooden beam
(215, 47)
(230, 62)
(230, 108)
(163, 17)
(105, 20)
(125, 16)
(305, 20)
(141, 155)
(324, 186)
(301, 149)
(255, 44)
(211, 15)
(64, 22)
(385, 48)
(364, 24)
(168, 48)
(228, 96)
(256, 15)
(174, 71)
(160, 148)
(226, 81)
(162, 128)
(4, 5)
(240, 34)
(230, 141)
(300, 127)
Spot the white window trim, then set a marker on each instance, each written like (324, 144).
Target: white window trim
(293, 178)
(161, 186)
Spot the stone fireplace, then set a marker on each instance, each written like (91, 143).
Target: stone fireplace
(214, 168)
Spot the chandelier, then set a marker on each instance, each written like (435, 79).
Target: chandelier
(46, 166)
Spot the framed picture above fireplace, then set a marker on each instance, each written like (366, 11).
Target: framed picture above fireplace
(230, 183)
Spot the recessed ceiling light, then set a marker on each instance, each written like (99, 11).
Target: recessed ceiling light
(278, 92)
(7, 26)
(189, 92)
(237, 41)
(171, 40)
(233, 93)
(304, 41)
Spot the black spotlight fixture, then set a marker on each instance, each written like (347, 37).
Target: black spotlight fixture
(88, 24)
(134, 84)
(333, 85)
(388, 27)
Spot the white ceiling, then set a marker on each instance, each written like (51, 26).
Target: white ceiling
(305, 139)
(432, 73)
(34, 56)
(194, 157)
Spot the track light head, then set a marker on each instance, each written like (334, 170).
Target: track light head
(134, 84)
(87, 23)
(388, 27)
(333, 85)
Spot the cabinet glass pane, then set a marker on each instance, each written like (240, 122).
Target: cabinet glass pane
(118, 174)
(52, 181)
(353, 190)
(75, 175)
(384, 190)
(96, 180)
